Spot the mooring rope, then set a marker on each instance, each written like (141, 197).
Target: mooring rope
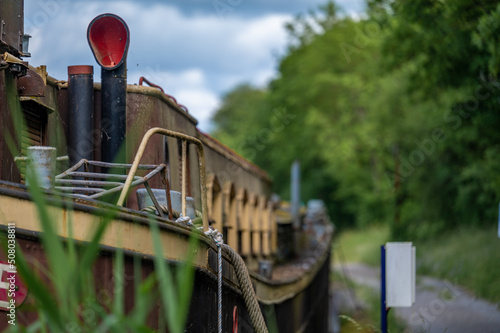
(219, 241)
(217, 237)
(249, 296)
(253, 308)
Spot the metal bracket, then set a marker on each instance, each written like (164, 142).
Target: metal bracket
(31, 84)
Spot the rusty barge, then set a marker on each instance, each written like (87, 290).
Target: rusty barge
(134, 151)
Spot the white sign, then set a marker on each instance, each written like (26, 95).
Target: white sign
(400, 274)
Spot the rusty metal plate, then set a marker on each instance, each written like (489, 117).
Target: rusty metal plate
(31, 84)
(11, 26)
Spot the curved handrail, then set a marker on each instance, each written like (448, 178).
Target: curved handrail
(201, 161)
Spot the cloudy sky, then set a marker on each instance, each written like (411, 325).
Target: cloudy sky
(197, 50)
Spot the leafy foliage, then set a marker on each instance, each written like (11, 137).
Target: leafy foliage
(393, 117)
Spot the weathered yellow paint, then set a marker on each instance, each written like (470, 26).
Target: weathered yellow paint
(230, 215)
(266, 229)
(243, 227)
(256, 228)
(128, 235)
(135, 236)
(274, 233)
(214, 199)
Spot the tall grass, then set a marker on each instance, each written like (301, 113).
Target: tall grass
(69, 302)
(469, 257)
(362, 245)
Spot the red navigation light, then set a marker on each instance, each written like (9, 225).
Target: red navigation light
(108, 37)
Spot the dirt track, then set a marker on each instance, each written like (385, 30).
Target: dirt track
(440, 306)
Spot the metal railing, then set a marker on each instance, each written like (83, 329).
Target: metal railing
(185, 139)
(96, 185)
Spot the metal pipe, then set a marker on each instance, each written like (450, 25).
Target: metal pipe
(295, 194)
(80, 189)
(151, 84)
(295, 207)
(86, 182)
(167, 193)
(94, 175)
(81, 113)
(41, 166)
(183, 178)
(140, 180)
(153, 198)
(113, 113)
(122, 165)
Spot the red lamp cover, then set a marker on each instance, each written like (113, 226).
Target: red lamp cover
(108, 37)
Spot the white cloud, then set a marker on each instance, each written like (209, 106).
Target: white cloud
(260, 36)
(188, 87)
(262, 77)
(160, 36)
(191, 78)
(201, 104)
(194, 56)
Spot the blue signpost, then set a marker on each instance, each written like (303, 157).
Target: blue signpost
(383, 307)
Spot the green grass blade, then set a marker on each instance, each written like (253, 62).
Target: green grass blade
(165, 282)
(93, 248)
(53, 247)
(143, 298)
(118, 299)
(185, 280)
(48, 305)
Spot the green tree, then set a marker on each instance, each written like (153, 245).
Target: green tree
(237, 121)
(454, 47)
(393, 116)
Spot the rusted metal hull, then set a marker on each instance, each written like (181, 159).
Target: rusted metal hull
(304, 299)
(293, 315)
(203, 308)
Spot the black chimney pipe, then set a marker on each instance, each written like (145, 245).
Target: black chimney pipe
(81, 113)
(108, 37)
(113, 113)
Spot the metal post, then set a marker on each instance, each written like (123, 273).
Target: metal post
(42, 162)
(184, 178)
(113, 112)
(383, 307)
(81, 113)
(295, 205)
(295, 194)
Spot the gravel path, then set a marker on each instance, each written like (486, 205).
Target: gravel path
(439, 307)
